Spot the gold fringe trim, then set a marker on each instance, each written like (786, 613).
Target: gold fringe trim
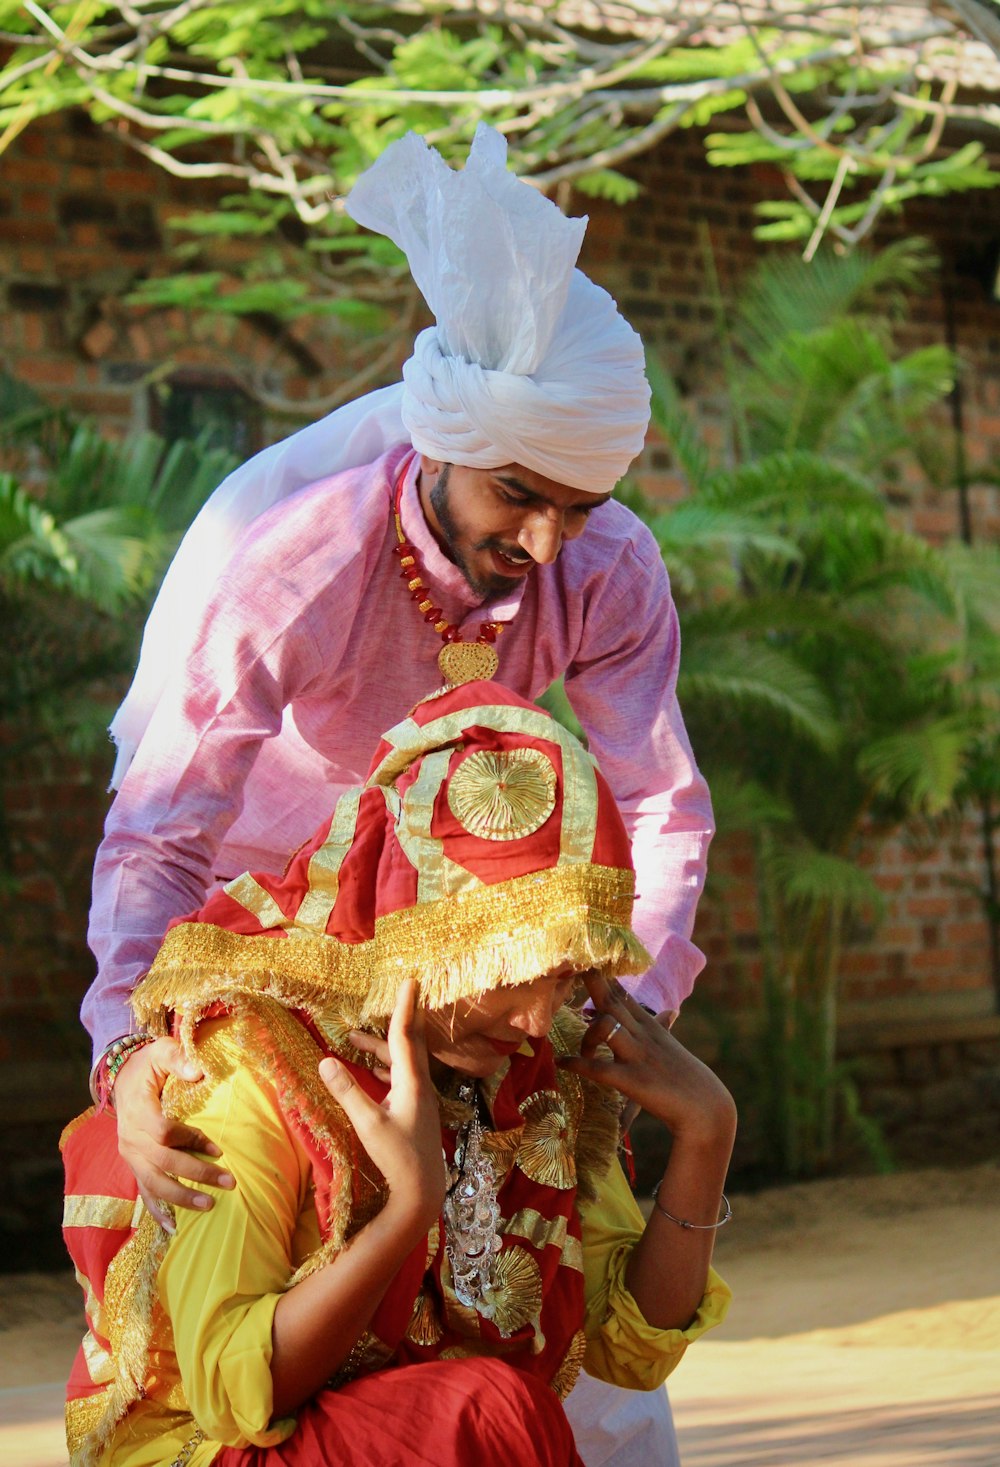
(565, 1377)
(129, 1301)
(472, 942)
(598, 1108)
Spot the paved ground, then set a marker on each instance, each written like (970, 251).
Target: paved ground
(866, 1333)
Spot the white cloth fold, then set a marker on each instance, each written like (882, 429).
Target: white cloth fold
(528, 362)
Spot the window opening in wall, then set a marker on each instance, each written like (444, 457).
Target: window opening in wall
(194, 406)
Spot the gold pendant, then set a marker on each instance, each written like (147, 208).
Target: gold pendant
(467, 662)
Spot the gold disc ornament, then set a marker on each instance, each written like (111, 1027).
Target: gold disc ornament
(505, 795)
(467, 662)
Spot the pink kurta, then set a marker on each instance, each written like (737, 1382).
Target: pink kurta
(310, 649)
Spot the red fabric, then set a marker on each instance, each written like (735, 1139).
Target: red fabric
(94, 1169)
(448, 1413)
(377, 876)
(562, 1307)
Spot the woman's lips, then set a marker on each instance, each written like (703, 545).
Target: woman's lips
(505, 1046)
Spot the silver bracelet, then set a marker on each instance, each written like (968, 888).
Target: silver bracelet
(683, 1222)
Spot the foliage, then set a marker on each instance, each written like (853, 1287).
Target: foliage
(87, 526)
(839, 674)
(273, 110)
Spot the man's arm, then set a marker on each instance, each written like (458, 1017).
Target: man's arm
(623, 687)
(255, 652)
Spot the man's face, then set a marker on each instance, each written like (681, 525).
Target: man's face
(496, 525)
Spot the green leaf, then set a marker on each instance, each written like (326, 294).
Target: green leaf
(605, 183)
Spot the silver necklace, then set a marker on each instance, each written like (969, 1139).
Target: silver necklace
(472, 1215)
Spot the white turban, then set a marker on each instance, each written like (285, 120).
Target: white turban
(529, 363)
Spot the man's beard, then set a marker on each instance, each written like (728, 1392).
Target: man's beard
(484, 586)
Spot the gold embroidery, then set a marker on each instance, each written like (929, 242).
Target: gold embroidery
(368, 1354)
(325, 863)
(433, 1244)
(566, 1376)
(83, 1416)
(505, 795)
(92, 1306)
(501, 1148)
(413, 829)
(252, 896)
(461, 1318)
(75, 1124)
(541, 1232)
(476, 941)
(516, 1295)
(424, 1327)
(100, 1365)
(572, 1254)
(546, 1150)
(101, 1212)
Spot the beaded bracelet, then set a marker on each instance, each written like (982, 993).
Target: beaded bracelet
(683, 1223)
(107, 1067)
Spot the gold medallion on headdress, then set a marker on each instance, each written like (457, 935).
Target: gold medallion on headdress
(505, 795)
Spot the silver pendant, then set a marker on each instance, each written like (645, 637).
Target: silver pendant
(472, 1216)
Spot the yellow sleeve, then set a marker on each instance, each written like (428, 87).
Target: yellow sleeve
(621, 1347)
(225, 1270)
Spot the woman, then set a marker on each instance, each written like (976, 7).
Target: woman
(429, 1228)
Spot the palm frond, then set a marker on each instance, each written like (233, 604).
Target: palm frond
(919, 767)
(33, 547)
(746, 805)
(786, 296)
(676, 424)
(731, 675)
(816, 879)
(793, 484)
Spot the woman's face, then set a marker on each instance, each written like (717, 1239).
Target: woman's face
(476, 1035)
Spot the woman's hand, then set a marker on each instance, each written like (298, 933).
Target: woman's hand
(156, 1148)
(668, 1266)
(650, 1067)
(402, 1133)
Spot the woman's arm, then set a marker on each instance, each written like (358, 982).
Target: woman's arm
(249, 1349)
(668, 1268)
(317, 1323)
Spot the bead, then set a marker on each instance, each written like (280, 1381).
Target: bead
(415, 584)
(487, 633)
(441, 627)
(403, 549)
(452, 635)
(432, 614)
(425, 606)
(407, 561)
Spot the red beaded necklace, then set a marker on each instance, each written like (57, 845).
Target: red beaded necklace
(460, 661)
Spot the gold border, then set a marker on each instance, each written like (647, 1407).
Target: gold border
(478, 940)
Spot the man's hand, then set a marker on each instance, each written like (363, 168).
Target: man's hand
(155, 1147)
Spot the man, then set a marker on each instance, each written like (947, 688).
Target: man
(471, 504)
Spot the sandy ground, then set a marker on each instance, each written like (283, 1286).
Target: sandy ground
(866, 1331)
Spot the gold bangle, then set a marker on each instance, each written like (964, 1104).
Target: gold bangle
(683, 1222)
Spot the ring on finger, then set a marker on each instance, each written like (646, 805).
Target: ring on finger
(613, 1031)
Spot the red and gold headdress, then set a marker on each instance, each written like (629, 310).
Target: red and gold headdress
(484, 849)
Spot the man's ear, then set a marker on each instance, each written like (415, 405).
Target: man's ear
(430, 468)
